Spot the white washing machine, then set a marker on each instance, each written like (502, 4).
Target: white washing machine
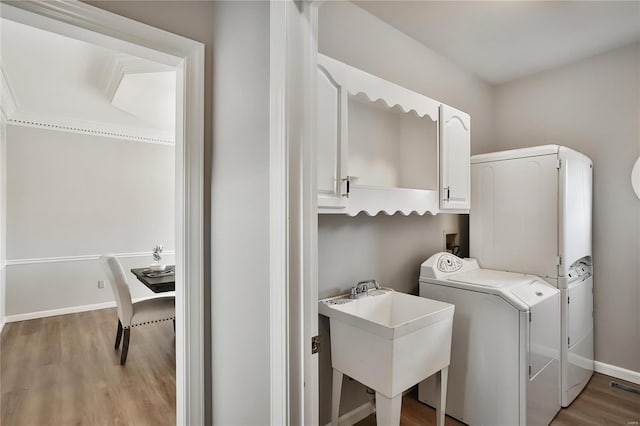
(505, 353)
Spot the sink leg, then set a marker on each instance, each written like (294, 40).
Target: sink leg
(335, 396)
(442, 378)
(388, 410)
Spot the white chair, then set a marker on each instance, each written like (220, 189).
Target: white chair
(134, 314)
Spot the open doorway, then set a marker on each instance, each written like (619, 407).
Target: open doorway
(90, 170)
(87, 24)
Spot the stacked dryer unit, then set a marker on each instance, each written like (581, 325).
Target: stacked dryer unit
(531, 213)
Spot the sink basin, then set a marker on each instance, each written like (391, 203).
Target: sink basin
(389, 341)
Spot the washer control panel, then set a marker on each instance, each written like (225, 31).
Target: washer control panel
(442, 265)
(449, 263)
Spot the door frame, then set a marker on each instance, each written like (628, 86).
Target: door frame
(294, 263)
(94, 25)
(309, 209)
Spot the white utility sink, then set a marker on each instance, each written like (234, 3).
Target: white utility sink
(388, 341)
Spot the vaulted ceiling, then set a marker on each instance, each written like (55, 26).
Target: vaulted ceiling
(58, 82)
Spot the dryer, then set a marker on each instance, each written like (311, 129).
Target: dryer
(505, 354)
(531, 212)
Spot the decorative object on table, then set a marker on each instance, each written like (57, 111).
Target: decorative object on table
(169, 270)
(157, 265)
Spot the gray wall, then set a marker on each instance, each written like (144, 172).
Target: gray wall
(388, 248)
(240, 217)
(356, 37)
(593, 107)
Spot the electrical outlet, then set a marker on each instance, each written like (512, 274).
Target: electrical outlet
(100, 284)
(450, 242)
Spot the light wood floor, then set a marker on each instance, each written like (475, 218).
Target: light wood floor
(599, 404)
(64, 371)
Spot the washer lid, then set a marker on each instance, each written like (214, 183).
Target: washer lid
(490, 278)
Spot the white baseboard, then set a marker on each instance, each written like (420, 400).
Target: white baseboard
(70, 310)
(61, 311)
(617, 372)
(3, 321)
(357, 414)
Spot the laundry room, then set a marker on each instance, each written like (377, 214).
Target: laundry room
(387, 212)
(552, 228)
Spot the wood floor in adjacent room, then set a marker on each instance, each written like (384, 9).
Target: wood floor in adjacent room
(64, 371)
(599, 404)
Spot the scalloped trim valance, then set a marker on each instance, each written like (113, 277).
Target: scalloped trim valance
(358, 82)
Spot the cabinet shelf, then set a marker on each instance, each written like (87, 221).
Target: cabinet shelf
(373, 200)
(380, 147)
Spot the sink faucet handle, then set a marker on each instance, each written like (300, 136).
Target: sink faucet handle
(365, 284)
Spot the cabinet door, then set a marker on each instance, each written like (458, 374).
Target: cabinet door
(455, 159)
(332, 136)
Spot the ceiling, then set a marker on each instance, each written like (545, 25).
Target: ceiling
(503, 40)
(60, 82)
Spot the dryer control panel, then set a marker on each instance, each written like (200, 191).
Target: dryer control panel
(580, 270)
(444, 264)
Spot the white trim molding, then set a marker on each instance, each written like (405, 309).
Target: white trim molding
(75, 125)
(70, 310)
(8, 104)
(84, 22)
(617, 372)
(308, 34)
(121, 64)
(61, 311)
(292, 47)
(278, 208)
(86, 257)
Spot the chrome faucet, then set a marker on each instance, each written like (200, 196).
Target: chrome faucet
(362, 289)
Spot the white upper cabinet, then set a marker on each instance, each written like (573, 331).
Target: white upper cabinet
(378, 146)
(455, 157)
(332, 135)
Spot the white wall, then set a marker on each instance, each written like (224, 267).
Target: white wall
(71, 194)
(58, 287)
(387, 248)
(240, 214)
(75, 195)
(593, 106)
